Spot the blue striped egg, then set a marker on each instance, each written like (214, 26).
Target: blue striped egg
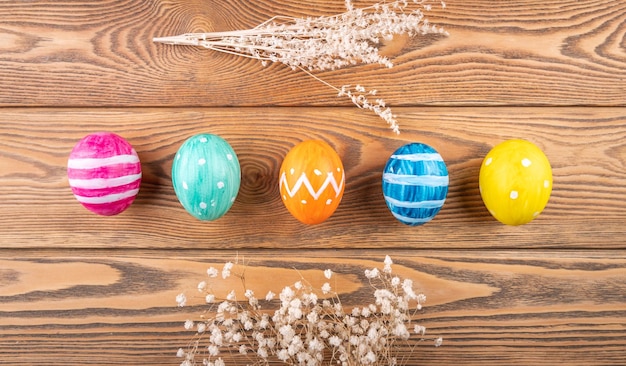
(415, 183)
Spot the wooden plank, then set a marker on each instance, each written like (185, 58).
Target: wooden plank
(586, 147)
(536, 307)
(503, 53)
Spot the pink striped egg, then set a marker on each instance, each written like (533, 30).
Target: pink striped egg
(104, 173)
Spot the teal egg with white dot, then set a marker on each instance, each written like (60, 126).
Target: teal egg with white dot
(206, 176)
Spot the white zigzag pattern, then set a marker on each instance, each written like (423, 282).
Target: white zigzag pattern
(304, 180)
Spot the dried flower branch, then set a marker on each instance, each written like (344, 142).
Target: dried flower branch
(325, 42)
(310, 326)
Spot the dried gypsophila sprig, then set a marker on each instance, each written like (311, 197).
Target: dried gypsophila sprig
(310, 325)
(325, 42)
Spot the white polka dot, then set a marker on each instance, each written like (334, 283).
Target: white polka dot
(339, 169)
(526, 162)
(488, 161)
(185, 186)
(514, 195)
(303, 202)
(201, 161)
(220, 184)
(317, 172)
(229, 156)
(291, 171)
(232, 199)
(203, 205)
(329, 201)
(546, 183)
(203, 139)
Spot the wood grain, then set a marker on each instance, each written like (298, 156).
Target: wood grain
(107, 307)
(77, 289)
(499, 53)
(586, 148)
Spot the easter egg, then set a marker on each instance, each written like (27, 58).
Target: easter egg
(515, 181)
(415, 183)
(311, 181)
(206, 176)
(104, 173)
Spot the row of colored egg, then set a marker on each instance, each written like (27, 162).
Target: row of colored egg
(104, 174)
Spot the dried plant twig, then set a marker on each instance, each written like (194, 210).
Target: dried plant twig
(310, 326)
(325, 42)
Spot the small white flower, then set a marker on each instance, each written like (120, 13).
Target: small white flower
(202, 286)
(366, 312)
(407, 287)
(334, 341)
(438, 342)
(262, 352)
(373, 273)
(188, 324)
(295, 303)
(265, 322)
(369, 358)
(226, 270)
(312, 317)
(309, 299)
(388, 262)
(180, 353)
(238, 336)
(212, 272)
(216, 338)
(213, 350)
(231, 296)
(283, 355)
(286, 294)
(181, 299)
(419, 329)
(328, 274)
(400, 331)
(287, 332)
(270, 296)
(248, 325)
(326, 288)
(209, 299)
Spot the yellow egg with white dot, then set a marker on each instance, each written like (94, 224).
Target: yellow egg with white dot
(515, 181)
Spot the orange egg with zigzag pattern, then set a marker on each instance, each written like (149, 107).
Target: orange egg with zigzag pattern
(312, 181)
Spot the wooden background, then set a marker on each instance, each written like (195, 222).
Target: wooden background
(77, 289)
